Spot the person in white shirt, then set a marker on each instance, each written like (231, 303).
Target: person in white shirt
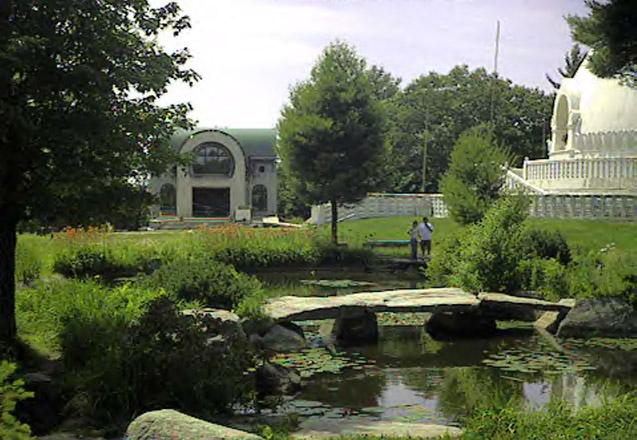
(424, 230)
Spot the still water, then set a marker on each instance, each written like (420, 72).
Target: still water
(407, 376)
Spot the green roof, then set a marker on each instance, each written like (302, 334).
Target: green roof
(254, 141)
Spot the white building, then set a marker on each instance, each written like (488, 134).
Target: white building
(593, 147)
(233, 175)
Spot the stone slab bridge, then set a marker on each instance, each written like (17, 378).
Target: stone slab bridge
(454, 312)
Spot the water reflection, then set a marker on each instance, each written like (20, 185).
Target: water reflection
(419, 379)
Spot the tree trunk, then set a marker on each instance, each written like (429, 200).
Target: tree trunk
(8, 228)
(334, 222)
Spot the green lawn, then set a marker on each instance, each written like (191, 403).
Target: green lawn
(585, 234)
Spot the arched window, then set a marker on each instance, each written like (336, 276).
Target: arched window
(168, 199)
(213, 158)
(259, 198)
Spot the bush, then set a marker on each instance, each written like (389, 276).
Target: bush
(121, 363)
(602, 274)
(11, 392)
(493, 249)
(204, 279)
(28, 259)
(545, 244)
(445, 259)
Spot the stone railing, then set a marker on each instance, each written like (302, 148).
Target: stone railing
(619, 207)
(584, 206)
(384, 205)
(586, 173)
(515, 184)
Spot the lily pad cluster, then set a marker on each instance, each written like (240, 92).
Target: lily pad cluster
(337, 284)
(626, 344)
(521, 360)
(318, 360)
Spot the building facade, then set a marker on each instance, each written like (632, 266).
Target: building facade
(233, 175)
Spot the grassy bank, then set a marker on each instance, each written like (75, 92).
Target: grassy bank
(583, 234)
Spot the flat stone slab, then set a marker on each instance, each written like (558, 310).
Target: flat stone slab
(323, 429)
(295, 308)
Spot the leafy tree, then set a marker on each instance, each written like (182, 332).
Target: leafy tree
(475, 176)
(572, 61)
(610, 31)
(437, 108)
(79, 84)
(332, 134)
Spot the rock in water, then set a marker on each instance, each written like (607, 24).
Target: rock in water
(462, 325)
(167, 424)
(283, 340)
(611, 317)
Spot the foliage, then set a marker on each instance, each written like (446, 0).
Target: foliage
(116, 358)
(332, 138)
(88, 253)
(475, 175)
(439, 107)
(546, 244)
(11, 392)
(206, 280)
(572, 61)
(492, 251)
(79, 111)
(610, 31)
(28, 260)
(612, 420)
(599, 274)
(445, 258)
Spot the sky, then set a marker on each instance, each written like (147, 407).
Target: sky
(249, 52)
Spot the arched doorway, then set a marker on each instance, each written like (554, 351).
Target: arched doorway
(561, 123)
(259, 198)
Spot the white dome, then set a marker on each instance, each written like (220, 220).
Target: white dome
(593, 114)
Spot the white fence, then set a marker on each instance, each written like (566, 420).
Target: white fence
(618, 207)
(384, 205)
(608, 173)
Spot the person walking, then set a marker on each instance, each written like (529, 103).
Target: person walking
(413, 235)
(424, 230)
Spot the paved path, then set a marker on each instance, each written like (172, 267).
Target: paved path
(295, 308)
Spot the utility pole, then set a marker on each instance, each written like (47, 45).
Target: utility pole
(425, 138)
(495, 70)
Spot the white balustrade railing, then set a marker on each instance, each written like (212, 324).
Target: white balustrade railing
(619, 207)
(621, 172)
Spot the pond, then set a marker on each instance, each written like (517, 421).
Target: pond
(408, 376)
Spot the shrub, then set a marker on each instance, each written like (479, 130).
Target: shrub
(11, 392)
(546, 244)
(597, 274)
(135, 362)
(202, 278)
(493, 249)
(546, 276)
(445, 258)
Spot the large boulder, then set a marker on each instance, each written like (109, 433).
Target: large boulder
(282, 339)
(460, 325)
(273, 379)
(610, 317)
(352, 327)
(167, 424)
